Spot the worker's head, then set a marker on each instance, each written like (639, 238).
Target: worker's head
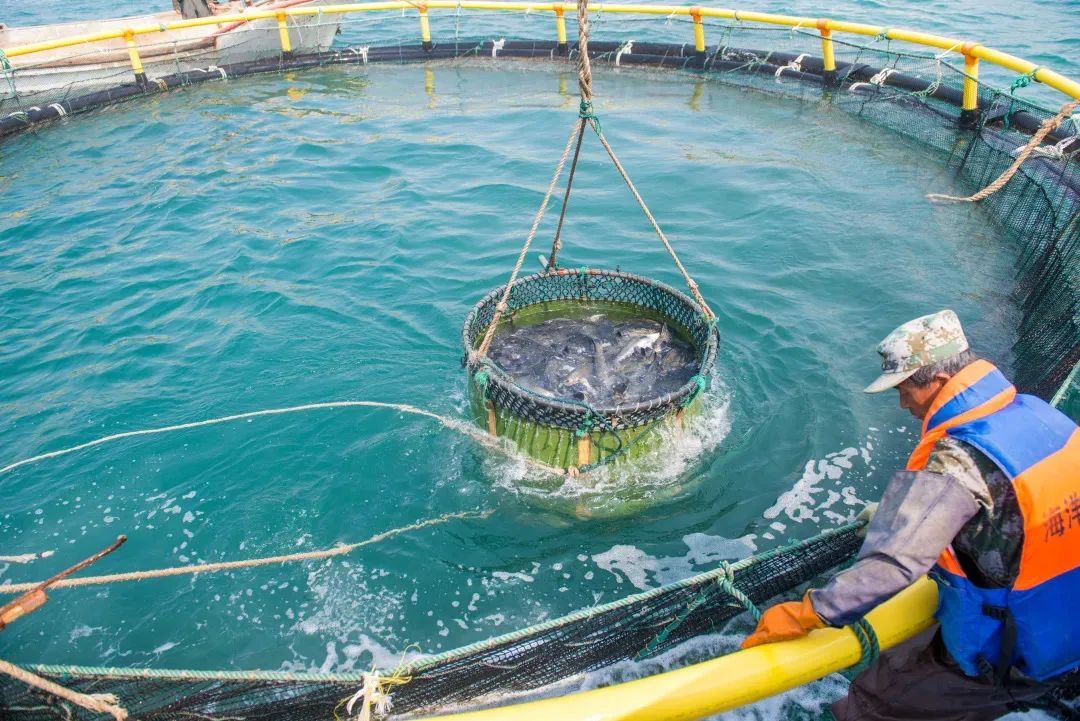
(919, 358)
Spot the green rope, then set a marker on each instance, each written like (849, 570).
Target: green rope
(1023, 81)
(481, 380)
(868, 642)
(9, 73)
(585, 112)
(700, 384)
(725, 583)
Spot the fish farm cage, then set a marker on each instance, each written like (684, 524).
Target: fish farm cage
(974, 106)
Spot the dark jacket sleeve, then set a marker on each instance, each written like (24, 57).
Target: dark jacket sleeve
(919, 515)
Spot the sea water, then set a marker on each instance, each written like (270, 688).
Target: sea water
(320, 236)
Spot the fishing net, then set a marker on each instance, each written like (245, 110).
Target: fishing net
(634, 627)
(584, 287)
(916, 94)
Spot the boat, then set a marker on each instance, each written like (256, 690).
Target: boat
(62, 72)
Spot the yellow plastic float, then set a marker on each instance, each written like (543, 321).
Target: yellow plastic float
(734, 680)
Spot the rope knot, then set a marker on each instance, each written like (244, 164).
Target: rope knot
(1022, 81)
(480, 378)
(585, 112)
(374, 696)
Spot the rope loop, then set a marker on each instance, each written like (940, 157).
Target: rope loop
(868, 643)
(727, 585)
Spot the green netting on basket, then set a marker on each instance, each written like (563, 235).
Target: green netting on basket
(634, 627)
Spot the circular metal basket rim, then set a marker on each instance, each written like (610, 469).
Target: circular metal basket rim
(499, 376)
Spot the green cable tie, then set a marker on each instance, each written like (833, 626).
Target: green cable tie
(585, 112)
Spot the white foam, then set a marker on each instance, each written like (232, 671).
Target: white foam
(820, 487)
(652, 477)
(643, 571)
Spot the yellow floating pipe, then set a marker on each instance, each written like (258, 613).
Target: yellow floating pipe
(133, 54)
(283, 33)
(971, 84)
(1047, 77)
(734, 680)
(425, 27)
(699, 30)
(828, 54)
(560, 28)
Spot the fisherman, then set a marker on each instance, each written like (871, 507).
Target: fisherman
(989, 505)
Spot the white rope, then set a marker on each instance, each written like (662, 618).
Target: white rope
(97, 702)
(496, 46)
(1053, 152)
(795, 65)
(191, 569)
(216, 69)
(449, 423)
(878, 79)
(59, 109)
(627, 48)
(373, 696)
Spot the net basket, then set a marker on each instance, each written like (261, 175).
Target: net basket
(565, 432)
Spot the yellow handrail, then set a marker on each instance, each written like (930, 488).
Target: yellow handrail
(974, 51)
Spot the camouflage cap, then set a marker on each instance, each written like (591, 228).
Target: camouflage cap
(915, 344)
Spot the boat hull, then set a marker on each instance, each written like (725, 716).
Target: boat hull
(42, 78)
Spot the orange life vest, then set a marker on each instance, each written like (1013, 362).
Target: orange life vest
(1032, 625)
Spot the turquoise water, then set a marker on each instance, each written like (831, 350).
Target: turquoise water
(321, 236)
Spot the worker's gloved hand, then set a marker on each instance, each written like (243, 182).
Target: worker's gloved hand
(865, 514)
(784, 622)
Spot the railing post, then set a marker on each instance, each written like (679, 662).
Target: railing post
(425, 28)
(136, 61)
(969, 110)
(828, 55)
(699, 32)
(560, 30)
(283, 34)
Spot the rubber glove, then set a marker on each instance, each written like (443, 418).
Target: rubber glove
(784, 622)
(866, 514)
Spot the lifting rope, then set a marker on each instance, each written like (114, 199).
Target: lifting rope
(586, 115)
(1048, 126)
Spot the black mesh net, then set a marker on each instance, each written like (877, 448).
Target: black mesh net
(634, 627)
